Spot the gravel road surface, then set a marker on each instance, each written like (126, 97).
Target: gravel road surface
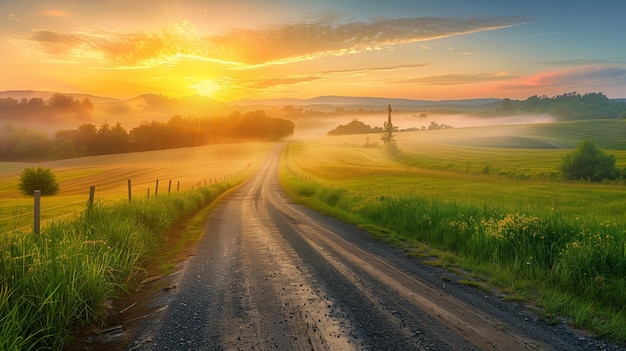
(272, 275)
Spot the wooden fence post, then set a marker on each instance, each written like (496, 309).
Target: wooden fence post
(129, 191)
(169, 187)
(92, 193)
(178, 186)
(156, 189)
(37, 214)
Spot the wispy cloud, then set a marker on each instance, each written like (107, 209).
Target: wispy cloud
(261, 47)
(580, 61)
(458, 79)
(56, 43)
(262, 83)
(268, 83)
(374, 69)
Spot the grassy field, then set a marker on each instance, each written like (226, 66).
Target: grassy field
(186, 168)
(487, 196)
(499, 209)
(55, 282)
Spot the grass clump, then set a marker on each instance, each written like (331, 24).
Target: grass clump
(64, 278)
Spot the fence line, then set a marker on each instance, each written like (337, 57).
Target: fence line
(4, 219)
(42, 210)
(60, 206)
(37, 210)
(37, 221)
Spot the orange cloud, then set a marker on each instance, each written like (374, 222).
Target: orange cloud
(251, 48)
(55, 13)
(302, 41)
(57, 44)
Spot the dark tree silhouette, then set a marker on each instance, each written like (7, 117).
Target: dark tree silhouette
(389, 142)
(388, 129)
(354, 127)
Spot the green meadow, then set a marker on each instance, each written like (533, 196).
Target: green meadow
(53, 283)
(488, 200)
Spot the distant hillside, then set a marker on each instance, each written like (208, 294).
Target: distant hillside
(31, 94)
(369, 103)
(155, 107)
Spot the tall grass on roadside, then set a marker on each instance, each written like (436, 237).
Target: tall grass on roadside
(52, 283)
(582, 259)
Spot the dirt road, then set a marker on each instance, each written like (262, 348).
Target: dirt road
(269, 274)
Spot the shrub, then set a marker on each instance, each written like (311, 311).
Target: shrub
(588, 162)
(38, 178)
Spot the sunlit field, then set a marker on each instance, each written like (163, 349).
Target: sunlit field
(185, 168)
(55, 282)
(500, 208)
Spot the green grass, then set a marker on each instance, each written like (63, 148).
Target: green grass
(561, 244)
(53, 283)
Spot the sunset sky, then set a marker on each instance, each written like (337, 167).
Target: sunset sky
(445, 49)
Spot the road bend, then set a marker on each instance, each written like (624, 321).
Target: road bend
(272, 275)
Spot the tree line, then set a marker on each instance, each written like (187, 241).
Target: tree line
(358, 127)
(568, 106)
(37, 108)
(22, 144)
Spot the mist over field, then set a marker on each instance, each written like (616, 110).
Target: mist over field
(315, 126)
(48, 112)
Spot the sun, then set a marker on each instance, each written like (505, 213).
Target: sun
(206, 88)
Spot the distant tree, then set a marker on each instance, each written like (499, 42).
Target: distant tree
(389, 142)
(573, 106)
(148, 136)
(22, 144)
(354, 127)
(506, 105)
(388, 129)
(61, 102)
(86, 105)
(64, 148)
(434, 125)
(38, 178)
(588, 162)
(110, 140)
(36, 103)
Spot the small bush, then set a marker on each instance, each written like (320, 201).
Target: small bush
(38, 178)
(588, 162)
